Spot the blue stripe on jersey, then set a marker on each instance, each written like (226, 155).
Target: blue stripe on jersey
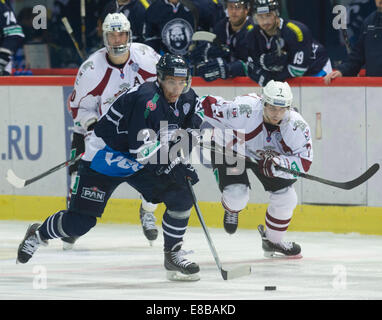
(114, 163)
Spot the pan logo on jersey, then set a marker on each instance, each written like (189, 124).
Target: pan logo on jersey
(93, 194)
(176, 35)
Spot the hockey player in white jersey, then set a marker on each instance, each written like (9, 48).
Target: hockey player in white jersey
(268, 129)
(105, 75)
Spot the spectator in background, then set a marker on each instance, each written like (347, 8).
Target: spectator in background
(317, 15)
(358, 11)
(211, 62)
(11, 37)
(134, 10)
(63, 53)
(367, 52)
(210, 13)
(169, 26)
(280, 49)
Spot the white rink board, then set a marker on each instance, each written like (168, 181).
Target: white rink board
(351, 142)
(33, 107)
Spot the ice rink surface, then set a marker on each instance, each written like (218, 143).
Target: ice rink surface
(115, 262)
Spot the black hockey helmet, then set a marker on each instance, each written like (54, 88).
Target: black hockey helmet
(174, 65)
(247, 3)
(265, 6)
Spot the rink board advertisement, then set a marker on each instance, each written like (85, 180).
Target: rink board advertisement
(35, 135)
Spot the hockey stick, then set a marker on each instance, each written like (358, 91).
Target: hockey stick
(21, 183)
(69, 30)
(207, 36)
(226, 274)
(83, 26)
(347, 185)
(346, 40)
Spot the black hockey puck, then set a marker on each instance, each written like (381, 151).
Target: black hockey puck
(269, 288)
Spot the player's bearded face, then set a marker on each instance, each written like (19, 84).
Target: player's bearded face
(273, 114)
(267, 22)
(172, 87)
(237, 13)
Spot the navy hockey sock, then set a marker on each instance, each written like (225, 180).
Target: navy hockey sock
(66, 224)
(173, 230)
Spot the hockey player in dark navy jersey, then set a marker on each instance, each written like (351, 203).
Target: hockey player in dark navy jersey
(211, 61)
(11, 37)
(280, 49)
(134, 142)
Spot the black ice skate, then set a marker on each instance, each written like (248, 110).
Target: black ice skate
(283, 249)
(29, 245)
(68, 242)
(148, 219)
(179, 268)
(231, 220)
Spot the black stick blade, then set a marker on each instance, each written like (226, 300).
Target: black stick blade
(362, 178)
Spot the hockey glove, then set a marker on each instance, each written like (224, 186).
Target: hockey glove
(267, 166)
(274, 61)
(178, 172)
(258, 74)
(199, 52)
(5, 57)
(213, 70)
(203, 51)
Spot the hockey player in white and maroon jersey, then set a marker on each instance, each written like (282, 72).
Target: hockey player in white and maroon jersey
(107, 73)
(268, 129)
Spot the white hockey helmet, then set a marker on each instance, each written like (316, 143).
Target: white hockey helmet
(116, 22)
(278, 94)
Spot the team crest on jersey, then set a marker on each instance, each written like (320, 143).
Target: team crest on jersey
(186, 108)
(176, 35)
(135, 67)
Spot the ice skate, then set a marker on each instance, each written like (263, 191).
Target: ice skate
(30, 244)
(148, 219)
(179, 268)
(284, 249)
(68, 242)
(231, 220)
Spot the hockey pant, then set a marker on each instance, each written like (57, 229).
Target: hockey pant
(235, 196)
(93, 190)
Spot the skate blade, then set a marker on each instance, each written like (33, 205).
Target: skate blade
(276, 255)
(178, 276)
(67, 246)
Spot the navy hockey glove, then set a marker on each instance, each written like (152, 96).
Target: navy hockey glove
(5, 57)
(258, 74)
(178, 172)
(213, 70)
(274, 61)
(203, 51)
